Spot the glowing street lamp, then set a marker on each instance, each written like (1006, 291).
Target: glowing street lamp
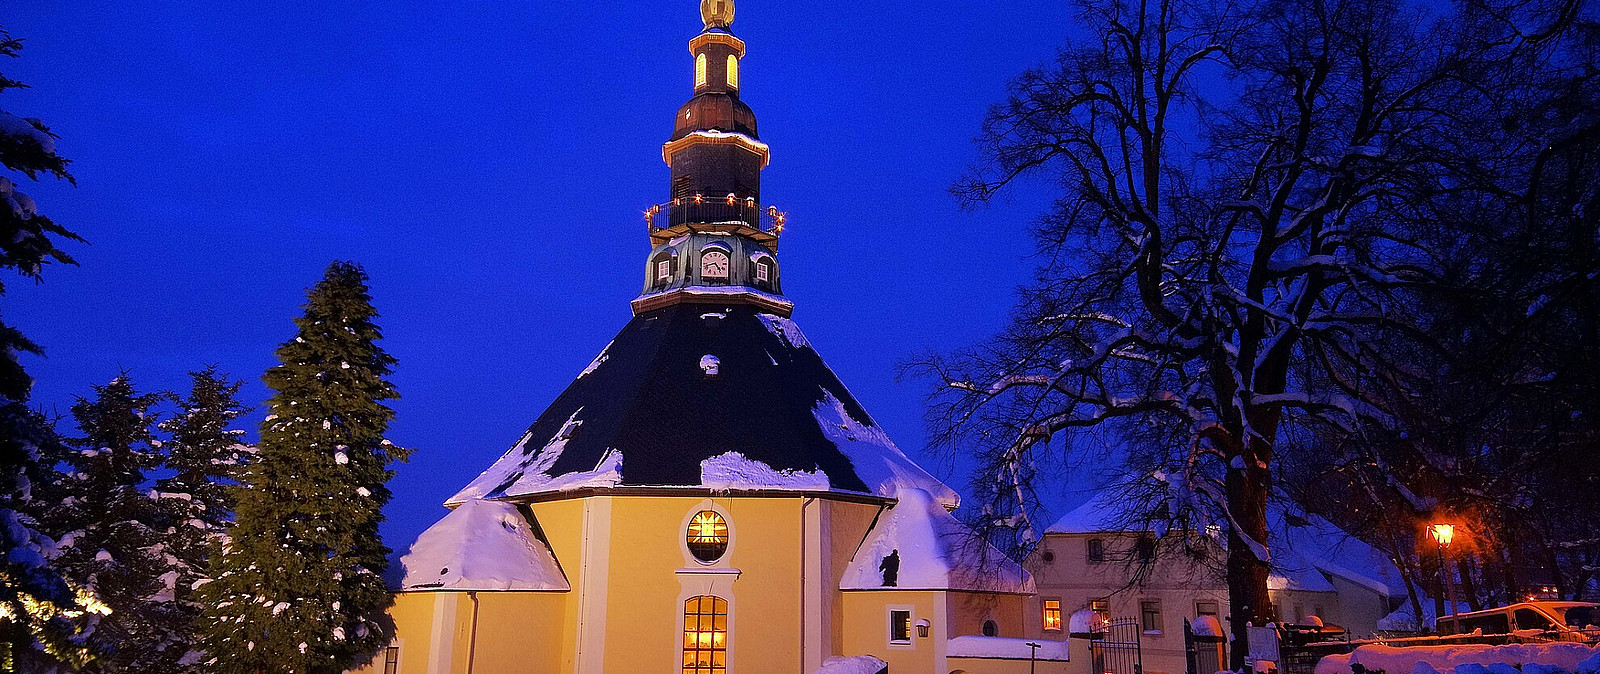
(1444, 533)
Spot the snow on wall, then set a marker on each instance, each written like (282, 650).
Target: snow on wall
(977, 646)
(860, 664)
(734, 470)
(936, 552)
(1395, 660)
(481, 545)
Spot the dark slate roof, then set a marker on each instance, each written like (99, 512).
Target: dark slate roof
(645, 413)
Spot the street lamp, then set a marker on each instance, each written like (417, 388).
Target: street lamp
(1444, 533)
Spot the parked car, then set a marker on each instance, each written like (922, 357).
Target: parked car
(1563, 620)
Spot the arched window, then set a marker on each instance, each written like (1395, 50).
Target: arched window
(705, 635)
(700, 70)
(990, 628)
(707, 537)
(733, 71)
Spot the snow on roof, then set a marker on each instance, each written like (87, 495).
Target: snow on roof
(978, 646)
(859, 664)
(481, 545)
(773, 417)
(935, 551)
(1306, 548)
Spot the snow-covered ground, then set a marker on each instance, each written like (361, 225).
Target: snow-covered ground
(1551, 658)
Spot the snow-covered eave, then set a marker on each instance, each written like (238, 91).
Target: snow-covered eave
(681, 490)
(655, 300)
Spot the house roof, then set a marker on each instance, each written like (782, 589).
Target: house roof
(935, 551)
(481, 545)
(646, 412)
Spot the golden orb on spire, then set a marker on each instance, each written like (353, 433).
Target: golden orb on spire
(716, 13)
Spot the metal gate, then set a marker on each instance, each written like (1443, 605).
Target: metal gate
(1119, 651)
(1204, 654)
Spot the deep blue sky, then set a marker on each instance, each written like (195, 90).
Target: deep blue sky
(487, 161)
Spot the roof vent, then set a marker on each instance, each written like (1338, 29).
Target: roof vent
(710, 364)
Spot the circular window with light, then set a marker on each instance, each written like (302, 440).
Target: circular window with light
(708, 536)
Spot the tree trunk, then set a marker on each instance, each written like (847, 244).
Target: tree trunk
(1247, 574)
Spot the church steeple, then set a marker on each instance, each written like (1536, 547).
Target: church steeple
(713, 237)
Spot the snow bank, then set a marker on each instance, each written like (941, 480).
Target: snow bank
(859, 664)
(976, 646)
(733, 470)
(481, 545)
(1471, 659)
(935, 551)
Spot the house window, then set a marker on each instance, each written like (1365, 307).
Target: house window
(990, 629)
(1147, 548)
(1052, 614)
(1097, 551)
(899, 626)
(1100, 605)
(1205, 608)
(762, 272)
(733, 71)
(705, 635)
(391, 660)
(708, 536)
(700, 70)
(1150, 616)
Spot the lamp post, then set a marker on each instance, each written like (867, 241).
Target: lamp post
(1444, 533)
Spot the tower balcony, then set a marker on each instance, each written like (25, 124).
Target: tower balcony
(703, 213)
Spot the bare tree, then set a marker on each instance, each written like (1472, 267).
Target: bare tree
(1253, 206)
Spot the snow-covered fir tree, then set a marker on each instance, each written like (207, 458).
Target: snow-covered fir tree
(111, 532)
(205, 456)
(40, 605)
(299, 585)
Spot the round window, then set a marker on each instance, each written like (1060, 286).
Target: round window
(707, 536)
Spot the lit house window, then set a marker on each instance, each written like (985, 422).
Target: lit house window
(1150, 616)
(1100, 605)
(733, 71)
(705, 635)
(1097, 551)
(391, 660)
(1052, 614)
(700, 70)
(708, 536)
(899, 627)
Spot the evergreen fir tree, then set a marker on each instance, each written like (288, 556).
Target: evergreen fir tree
(112, 532)
(205, 456)
(299, 586)
(34, 597)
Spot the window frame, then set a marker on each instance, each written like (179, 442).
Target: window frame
(690, 534)
(1095, 550)
(889, 625)
(732, 72)
(1216, 608)
(1046, 611)
(1150, 613)
(701, 64)
(686, 648)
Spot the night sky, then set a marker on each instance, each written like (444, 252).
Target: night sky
(488, 162)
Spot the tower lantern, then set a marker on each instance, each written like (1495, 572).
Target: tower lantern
(713, 236)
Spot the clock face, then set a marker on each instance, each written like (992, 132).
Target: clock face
(714, 264)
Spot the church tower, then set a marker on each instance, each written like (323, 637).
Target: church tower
(713, 237)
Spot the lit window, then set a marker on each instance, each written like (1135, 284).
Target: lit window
(700, 70)
(705, 635)
(1100, 605)
(733, 71)
(708, 536)
(899, 627)
(990, 629)
(1097, 551)
(714, 264)
(391, 660)
(1150, 615)
(1205, 608)
(1052, 614)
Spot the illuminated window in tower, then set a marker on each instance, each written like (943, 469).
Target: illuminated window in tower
(708, 536)
(733, 71)
(1052, 614)
(700, 70)
(705, 635)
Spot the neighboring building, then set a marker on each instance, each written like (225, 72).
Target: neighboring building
(1089, 559)
(707, 497)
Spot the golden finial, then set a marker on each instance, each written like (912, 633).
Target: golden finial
(716, 13)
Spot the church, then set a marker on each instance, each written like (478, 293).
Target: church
(706, 496)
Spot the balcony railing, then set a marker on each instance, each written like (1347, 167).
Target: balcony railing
(700, 209)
